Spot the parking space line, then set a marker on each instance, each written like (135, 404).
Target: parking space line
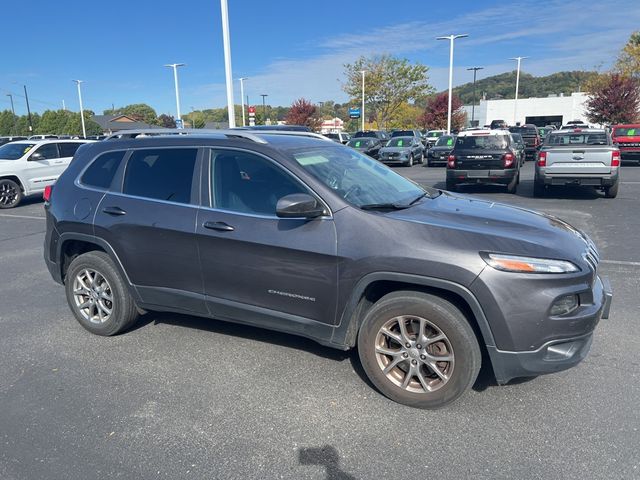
(621, 262)
(22, 216)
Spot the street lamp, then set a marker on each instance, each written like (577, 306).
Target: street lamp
(242, 79)
(26, 97)
(175, 81)
(515, 103)
(84, 131)
(451, 38)
(473, 105)
(362, 111)
(13, 111)
(227, 63)
(264, 108)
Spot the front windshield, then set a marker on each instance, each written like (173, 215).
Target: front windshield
(626, 132)
(360, 143)
(445, 141)
(358, 179)
(434, 134)
(14, 151)
(400, 142)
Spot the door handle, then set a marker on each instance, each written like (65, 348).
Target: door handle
(114, 211)
(221, 226)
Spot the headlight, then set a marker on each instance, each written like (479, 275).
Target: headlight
(514, 263)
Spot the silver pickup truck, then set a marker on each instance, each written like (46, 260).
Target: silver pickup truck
(578, 157)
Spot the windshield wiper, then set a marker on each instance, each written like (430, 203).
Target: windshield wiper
(419, 197)
(383, 206)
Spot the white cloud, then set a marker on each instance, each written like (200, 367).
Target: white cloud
(567, 35)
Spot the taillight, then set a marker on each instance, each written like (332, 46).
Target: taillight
(507, 160)
(537, 142)
(47, 193)
(615, 158)
(542, 159)
(451, 161)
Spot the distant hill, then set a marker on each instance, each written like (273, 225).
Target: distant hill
(503, 85)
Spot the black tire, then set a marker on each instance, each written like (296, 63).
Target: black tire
(446, 318)
(10, 193)
(123, 308)
(452, 186)
(612, 191)
(410, 161)
(513, 186)
(538, 189)
(421, 161)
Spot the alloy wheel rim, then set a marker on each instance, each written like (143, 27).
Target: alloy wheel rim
(93, 296)
(8, 193)
(414, 354)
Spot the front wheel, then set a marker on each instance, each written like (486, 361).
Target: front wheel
(10, 193)
(418, 349)
(410, 161)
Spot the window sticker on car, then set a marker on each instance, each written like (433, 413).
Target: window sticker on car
(450, 141)
(357, 144)
(631, 132)
(27, 148)
(305, 160)
(399, 143)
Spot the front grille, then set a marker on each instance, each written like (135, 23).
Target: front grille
(591, 255)
(630, 144)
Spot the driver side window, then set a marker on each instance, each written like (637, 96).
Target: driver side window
(247, 183)
(48, 151)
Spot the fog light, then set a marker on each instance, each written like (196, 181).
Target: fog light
(564, 305)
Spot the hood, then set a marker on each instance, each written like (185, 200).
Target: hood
(497, 227)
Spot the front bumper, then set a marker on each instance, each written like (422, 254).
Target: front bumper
(394, 161)
(595, 179)
(485, 177)
(554, 355)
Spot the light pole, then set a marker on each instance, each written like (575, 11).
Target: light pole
(242, 79)
(84, 131)
(13, 111)
(473, 105)
(227, 62)
(175, 81)
(362, 111)
(26, 97)
(264, 108)
(451, 39)
(515, 103)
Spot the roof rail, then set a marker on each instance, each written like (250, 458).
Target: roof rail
(153, 132)
(281, 132)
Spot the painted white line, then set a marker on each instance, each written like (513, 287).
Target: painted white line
(22, 216)
(621, 262)
(630, 183)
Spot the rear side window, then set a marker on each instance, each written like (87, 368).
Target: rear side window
(68, 149)
(161, 174)
(101, 172)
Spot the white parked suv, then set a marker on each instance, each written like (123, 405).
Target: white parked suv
(28, 166)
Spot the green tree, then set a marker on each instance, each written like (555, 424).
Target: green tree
(389, 83)
(7, 123)
(166, 121)
(629, 58)
(140, 111)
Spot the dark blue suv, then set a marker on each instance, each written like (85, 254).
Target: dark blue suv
(293, 232)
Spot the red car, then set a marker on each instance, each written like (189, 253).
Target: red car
(627, 138)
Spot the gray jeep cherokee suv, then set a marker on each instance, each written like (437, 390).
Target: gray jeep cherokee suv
(299, 234)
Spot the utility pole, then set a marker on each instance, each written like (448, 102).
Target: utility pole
(473, 105)
(451, 39)
(242, 79)
(64, 107)
(515, 103)
(264, 107)
(175, 82)
(227, 62)
(84, 131)
(13, 111)
(26, 97)
(362, 111)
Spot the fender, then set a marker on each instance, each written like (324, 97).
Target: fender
(23, 183)
(346, 331)
(64, 237)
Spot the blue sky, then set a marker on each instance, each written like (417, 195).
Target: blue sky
(288, 49)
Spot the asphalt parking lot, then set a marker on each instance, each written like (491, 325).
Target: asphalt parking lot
(185, 397)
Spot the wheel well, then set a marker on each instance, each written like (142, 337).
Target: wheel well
(376, 290)
(71, 249)
(15, 179)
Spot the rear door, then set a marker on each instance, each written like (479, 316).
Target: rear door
(251, 259)
(149, 220)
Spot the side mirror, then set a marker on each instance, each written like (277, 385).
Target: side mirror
(299, 205)
(37, 156)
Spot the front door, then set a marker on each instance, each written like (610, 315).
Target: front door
(253, 259)
(44, 166)
(150, 223)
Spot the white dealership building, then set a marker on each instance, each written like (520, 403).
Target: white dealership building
(554, 109)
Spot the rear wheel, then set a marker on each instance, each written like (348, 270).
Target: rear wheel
(418, 349)
(612, 191)
(538, 189)
(451, 186)
(512, 187)
(10, 193)
(98, 295)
